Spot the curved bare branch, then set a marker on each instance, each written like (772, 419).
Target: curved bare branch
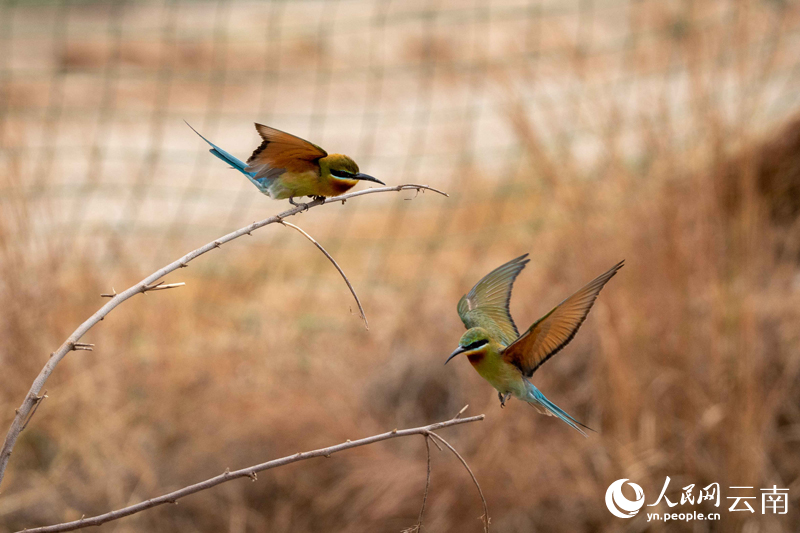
(332, 260)
(485, 516)
(151, 283)
(250, 472)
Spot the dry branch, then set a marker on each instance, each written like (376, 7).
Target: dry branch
(332, 260)
(151, 283)
(250, 472)
(431, 436)
(485, 516)
(418, 527)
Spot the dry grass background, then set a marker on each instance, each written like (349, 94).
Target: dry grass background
(664, 133)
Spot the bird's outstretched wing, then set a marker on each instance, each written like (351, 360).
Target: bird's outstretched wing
(280, 152)
(553, 331)
(489, 299)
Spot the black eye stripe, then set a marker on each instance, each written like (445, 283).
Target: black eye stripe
(476, 344)
(341, 173)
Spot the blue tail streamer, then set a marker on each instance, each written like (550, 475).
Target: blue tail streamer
(234, 162)
(535, 396)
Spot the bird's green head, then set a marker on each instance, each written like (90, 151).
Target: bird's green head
(342, 167)
(473, 341)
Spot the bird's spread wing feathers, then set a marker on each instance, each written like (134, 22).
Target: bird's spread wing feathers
(281, 151)
(557, 328)
(489, 299)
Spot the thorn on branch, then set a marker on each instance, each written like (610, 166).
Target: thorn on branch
(217, 244)
(461, 412)
(151, 287)
(37, 400)
(111, 295)
(160, 286)
(77, 346)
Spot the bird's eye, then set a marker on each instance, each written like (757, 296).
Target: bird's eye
(341, 173)
(476, 344)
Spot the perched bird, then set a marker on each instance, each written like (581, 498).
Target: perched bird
(505, 358)
(285, 166)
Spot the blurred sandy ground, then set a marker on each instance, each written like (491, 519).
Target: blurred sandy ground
(582, 132)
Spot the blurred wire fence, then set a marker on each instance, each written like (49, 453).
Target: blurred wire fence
(487, 99)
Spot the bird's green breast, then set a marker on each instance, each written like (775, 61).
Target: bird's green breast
(503, 376)
(310, 183)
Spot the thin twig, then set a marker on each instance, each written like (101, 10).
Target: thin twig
(418, 527)
(485, 516)
(116, 299)
(250, 472)
(397, 188)
(332, 260)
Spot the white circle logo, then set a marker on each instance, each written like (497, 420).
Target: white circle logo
(621, 506)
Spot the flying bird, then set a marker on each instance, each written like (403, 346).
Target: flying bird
(285, 166)
(507, 359)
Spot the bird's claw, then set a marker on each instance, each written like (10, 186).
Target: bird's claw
(304, 206)
(503, 398)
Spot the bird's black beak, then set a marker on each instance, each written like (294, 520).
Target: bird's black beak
(366, 177)
(456, 352)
